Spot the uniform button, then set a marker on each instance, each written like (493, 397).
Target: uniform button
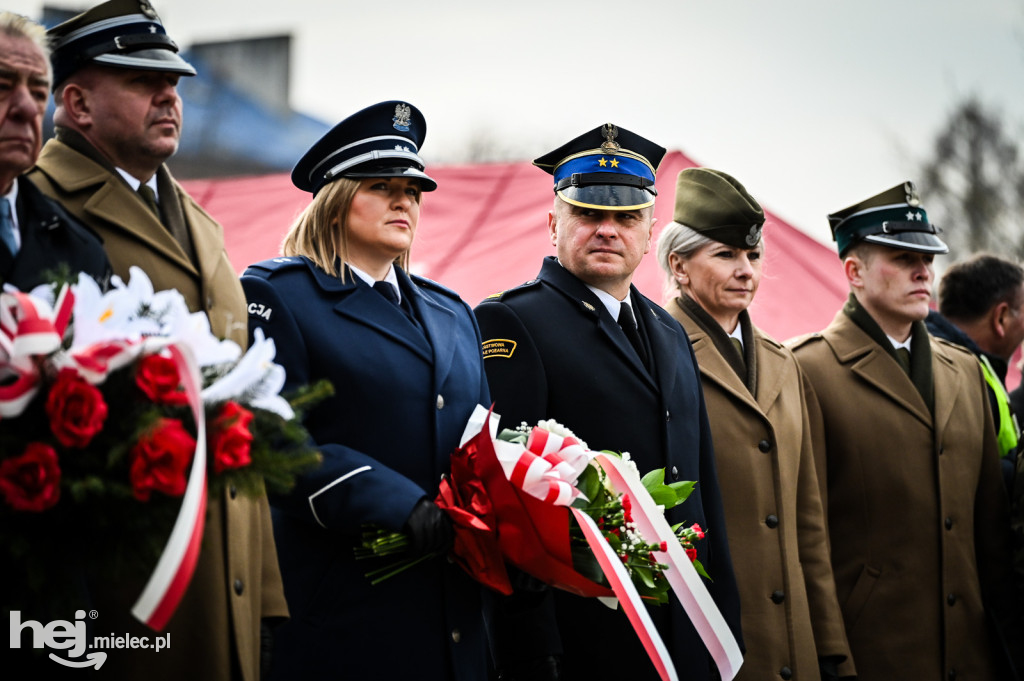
(668, 416)
(778, 596)
(209, 302)
(675, 473)
(456, 635)
(772, 521)
(942, 450)
(440, 401)
(951, 599)
(786, 673)
(764, 446)
(239, 587)
(233, 491)
(949, 523)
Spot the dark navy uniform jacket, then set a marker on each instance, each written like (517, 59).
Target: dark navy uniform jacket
(552, 351)
(402, 396)
(50, 237)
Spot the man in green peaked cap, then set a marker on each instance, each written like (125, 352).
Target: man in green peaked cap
(907, 463)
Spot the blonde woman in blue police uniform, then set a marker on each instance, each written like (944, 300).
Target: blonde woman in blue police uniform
(407, 372)
(580, 345)
(712, 254)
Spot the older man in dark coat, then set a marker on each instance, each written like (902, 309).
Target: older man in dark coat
(580, 345)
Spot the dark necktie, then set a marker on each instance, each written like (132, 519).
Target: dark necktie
(7, 226)
(628, 324)
(903, 355)
(149, 197)
(386, 289)
(738, 344)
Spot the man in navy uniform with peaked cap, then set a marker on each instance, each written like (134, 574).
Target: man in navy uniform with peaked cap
(580, 345)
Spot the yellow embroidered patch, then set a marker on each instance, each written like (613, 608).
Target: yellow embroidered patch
(498, 347)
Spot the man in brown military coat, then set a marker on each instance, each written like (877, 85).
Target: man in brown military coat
(118, 118)
(908, 464)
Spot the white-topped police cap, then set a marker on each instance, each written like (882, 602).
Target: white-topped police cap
(893, 218)
(606, 168)
(124, 34)
(382, 140)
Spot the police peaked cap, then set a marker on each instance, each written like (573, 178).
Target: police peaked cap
(382, 140)
(719, 207)
(894, 218)
(607, 168)
(125, 34)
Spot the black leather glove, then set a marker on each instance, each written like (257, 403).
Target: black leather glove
(546, 668)
(266, 647)
(430, 528)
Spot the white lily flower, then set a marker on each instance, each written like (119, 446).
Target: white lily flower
(256, 378)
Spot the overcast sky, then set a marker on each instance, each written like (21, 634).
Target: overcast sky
(812, 104)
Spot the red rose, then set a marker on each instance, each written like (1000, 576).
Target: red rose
(691, 554)
(31, 482)
(160, 460)
(230, 437)
(157, 376)
(76, 409)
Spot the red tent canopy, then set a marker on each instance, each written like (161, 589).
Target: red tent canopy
(485, 230)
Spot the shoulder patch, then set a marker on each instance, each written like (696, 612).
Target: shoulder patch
(498, 347)
(266, 268)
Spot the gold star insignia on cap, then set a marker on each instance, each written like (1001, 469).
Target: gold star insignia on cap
(615, 163)
(602, 162)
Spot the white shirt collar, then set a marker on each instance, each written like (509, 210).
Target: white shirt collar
(897, 345)
(611, 303)
(12, 198)
(737, 333)
(134, 183)
(390, 277)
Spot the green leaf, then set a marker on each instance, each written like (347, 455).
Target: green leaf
(653, 479)
(700, 570)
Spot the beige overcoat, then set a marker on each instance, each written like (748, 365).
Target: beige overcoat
(916, 507)
(237, 581)
(773, 510)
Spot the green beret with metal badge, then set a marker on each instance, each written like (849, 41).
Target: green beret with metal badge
(719, 207)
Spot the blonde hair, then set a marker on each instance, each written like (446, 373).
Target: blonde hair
(685, 242)
(319, 232)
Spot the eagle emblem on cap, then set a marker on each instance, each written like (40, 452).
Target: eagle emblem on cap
(753, 236)
(911, 191)
(401, 119)
(147, 9)
(610, 132)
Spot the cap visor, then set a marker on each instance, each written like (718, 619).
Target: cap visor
(148, 60)
(427, 183)
(919, 242)
(607, 197)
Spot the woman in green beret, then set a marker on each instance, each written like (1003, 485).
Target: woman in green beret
(712, 254)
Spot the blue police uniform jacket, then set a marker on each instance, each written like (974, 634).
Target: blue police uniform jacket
(403, 391)
(552, 351)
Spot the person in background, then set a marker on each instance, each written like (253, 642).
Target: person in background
(118, 118)
(580, 345)
(712, 254)
(403, 354)
(981, 308)
(38, 238)
(908, 463)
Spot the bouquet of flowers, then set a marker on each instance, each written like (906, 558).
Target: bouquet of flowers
(119, 412)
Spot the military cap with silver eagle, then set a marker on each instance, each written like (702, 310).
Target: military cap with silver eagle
(893, 218)
(382, 140)
(124, 34)
(608, 168)
(719, 207)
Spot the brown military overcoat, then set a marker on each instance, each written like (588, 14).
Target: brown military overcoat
(215, 634)
(916, 506)
(773, 510)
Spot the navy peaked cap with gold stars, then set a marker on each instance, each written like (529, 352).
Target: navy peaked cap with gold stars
(607, 168)
(125, 34)
(382, 140)
(894, 218)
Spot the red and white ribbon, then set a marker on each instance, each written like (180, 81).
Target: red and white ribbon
(681, 575)
(628, 596)
(173, 572)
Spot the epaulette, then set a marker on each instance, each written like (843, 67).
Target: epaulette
(800, 341)
(267, 268)
(434, 286)
(525, 286)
